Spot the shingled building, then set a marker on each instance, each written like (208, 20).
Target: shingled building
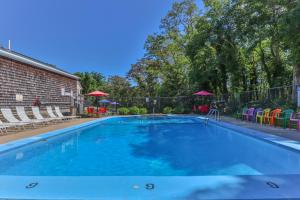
(23, 80)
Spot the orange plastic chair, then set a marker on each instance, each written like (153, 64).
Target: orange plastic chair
(103, 110)
(275, 113)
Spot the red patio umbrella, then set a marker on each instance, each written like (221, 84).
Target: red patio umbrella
(97, 94)
(203, 93)
(203, 108)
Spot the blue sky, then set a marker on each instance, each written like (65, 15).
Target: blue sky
(82, 35)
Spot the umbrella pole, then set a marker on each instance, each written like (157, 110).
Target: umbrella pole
(97, 102)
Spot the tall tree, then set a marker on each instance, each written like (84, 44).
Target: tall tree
(91, 81)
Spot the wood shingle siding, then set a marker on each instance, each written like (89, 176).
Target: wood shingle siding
(31, 82)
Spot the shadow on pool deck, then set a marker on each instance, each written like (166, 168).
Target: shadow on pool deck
(291, 134)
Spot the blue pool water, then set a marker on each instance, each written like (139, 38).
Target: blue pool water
(150, 146)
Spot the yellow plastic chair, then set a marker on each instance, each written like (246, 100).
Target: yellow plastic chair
(260, 116)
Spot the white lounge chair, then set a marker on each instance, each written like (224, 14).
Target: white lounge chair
(37, 114)
(3, 127)
(24, 117)
(59, 114)
(51, 114)
(9, 116)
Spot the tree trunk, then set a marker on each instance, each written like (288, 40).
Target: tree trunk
(224, 81)
(265, 66)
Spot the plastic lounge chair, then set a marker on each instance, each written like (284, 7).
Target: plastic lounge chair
(51, 114)
(260, 116)
(9, 116)
(250, 114)
(24, 117)
(284, 118)
(59, 114)
(4, 126)
(3, 129)
(37, 114)
(294, 119)
(274, 113)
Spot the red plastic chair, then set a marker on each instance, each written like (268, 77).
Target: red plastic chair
(90, 110)
(203, 109)
(194, 108)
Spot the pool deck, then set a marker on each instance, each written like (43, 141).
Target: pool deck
(37, 131)
(291, 134)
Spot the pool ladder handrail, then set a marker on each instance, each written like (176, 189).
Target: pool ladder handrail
(214, 113)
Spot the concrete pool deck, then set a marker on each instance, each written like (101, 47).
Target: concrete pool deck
(291, 134)
(32, 132)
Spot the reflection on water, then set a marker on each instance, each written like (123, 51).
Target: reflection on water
(155, 146)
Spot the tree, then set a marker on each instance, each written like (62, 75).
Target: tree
(91, 81)
(145, 73)
(119, 88)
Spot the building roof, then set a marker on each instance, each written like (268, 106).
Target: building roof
(34, 62)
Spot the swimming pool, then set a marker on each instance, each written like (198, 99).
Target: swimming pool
(154, 146)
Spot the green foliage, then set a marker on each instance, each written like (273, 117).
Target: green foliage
(91, 81)
(233, 46)
(123, 111)
(134, 110)
(117, 86)
(143, 111)
(145, 74)
(179, 109)
(167, 110)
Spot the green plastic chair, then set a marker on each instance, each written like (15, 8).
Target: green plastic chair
(240, 115)
(284, 118)
(262, 114)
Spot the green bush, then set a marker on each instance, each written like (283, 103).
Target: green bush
(167, 110)
(123, 111)
(143, 111)
(134, 110)
(178, 110)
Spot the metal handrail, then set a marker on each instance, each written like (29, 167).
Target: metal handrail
(214, 113)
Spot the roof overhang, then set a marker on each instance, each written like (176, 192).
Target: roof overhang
(40, 65)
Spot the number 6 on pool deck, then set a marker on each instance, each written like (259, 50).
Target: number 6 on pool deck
(272, 184)
(31, 185)
(149, 186)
